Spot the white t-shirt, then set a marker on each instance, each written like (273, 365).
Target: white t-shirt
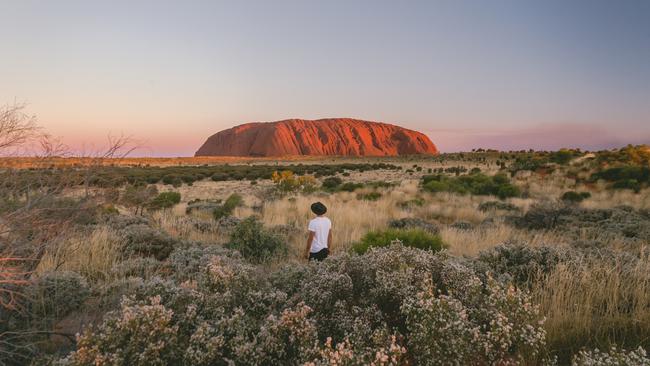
(320, 226)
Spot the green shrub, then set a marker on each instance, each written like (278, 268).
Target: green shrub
(165, 200)
(172, 179)
(478, 184)
(145, 241)
(573, 196)
(226, 209)
(371, 196)
(497, 205)
(54, 295)
(255, 243)
(331, 183)
(416, 238)
(632, 184)
(350, 186)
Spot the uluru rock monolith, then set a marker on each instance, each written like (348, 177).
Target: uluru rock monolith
(332, 136)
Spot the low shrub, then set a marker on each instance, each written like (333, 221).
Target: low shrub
(416, 238)
(377, 308)
(350, 186)
(145, 241)
(54, 295)
(575, 197)
(226, 209)
(414, 223)
(478, 184)
(331, 183)
(497, 205)
(416, 202)
(137, 334)
(138, 267)
(255, 243)
(286, 181)
(371, 196)
(165, 200)
(613, 357)
(520, 263)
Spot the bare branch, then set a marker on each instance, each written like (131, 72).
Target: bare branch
(16, 126)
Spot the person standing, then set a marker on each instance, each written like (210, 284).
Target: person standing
(320, 234)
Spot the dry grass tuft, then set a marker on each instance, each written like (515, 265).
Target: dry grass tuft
(90, 255)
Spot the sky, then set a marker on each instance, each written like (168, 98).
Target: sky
(504, 74)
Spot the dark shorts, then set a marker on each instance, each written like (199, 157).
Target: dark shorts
(320, 255)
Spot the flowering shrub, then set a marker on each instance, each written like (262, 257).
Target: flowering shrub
(376, 309)
(504, 329)
(139, 334)
(520, 263)
(614, 357)
(285, 181)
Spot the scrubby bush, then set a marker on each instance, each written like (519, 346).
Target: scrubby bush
(520, 263)
(146, 241)
(165, 200)
(138, 196)
(575, 197)
(477, 184)
(632, 177)
(414, 223)
(255, 243)
(416, 202)
(138, 267)
(443, 328)
(331, 183)
(350, 186)
(497, 205)
(202, 206)
(138, 334)
(377, 308)
(370, 196)
(187, 263)
(54, 295)
(226, 209)
(416, 238)
(286, 181)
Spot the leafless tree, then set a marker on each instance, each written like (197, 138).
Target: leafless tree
(16, 127)
(32, 220)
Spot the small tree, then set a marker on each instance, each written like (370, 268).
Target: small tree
(139, 197)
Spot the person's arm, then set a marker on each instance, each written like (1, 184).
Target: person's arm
(310, 238)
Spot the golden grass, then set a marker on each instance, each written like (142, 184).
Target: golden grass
(596, 303)
(471, 242)
(90, 255)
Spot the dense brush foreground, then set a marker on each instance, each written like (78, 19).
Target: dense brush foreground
(483, 258)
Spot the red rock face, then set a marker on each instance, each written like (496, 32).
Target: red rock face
(335, 136)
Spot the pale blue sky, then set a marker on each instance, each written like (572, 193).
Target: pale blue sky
(500, 74)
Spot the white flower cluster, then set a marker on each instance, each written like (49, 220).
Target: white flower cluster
(614, 357)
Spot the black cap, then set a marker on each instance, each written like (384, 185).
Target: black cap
(318, 208)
